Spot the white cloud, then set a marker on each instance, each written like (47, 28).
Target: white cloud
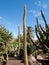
(38, 3)
(42, 5)
(35, 13)
(30, 11)
(1, 17)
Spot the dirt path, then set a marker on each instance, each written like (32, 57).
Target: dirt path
(14, 61)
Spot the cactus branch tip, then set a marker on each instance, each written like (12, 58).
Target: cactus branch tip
(25, 7)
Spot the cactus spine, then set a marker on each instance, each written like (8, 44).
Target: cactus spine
(24, 35)
(18, 40)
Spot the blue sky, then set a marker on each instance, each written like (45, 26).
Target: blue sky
(11, 13)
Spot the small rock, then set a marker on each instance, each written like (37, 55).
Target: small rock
(39, 57)
(33, 61)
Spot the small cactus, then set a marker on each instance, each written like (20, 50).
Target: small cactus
(18, 40)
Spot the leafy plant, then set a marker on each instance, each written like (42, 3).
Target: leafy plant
(5, 38)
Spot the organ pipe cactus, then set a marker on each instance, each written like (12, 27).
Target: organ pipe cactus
(43, 34)
(24, 35)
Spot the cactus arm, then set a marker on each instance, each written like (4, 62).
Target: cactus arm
(46, 47)
(41, 35)
(37, 22)
(37, 47)
(42, 30)
(45, 33)
(44, 19)
(37, 34)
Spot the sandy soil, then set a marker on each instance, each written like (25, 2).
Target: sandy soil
(14, 61)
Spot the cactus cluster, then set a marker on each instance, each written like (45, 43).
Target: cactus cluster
(43, 34)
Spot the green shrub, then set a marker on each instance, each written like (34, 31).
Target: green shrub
(11, 54)
(30, 49)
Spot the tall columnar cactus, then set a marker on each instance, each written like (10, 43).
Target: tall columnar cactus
(43, 34)
(46, 25)
(18, 40)
(24, 35)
